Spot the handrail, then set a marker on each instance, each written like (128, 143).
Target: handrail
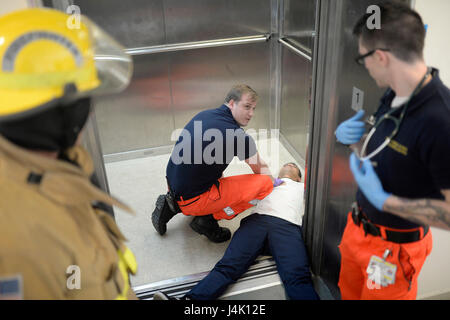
(296, 50)
(196, 45)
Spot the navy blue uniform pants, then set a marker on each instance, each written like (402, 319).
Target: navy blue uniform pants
(255, 234)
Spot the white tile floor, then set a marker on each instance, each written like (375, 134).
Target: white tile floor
(181, 251)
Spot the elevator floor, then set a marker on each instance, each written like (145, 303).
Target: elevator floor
(181, 251)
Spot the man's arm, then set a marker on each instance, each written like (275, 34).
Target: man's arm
(258, 165)
(432, 212)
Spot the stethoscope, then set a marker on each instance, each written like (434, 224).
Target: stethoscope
(388, 116)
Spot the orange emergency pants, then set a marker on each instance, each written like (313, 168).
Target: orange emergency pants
(234, 195)
(356, 251)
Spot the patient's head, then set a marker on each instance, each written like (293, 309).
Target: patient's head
(290, 170)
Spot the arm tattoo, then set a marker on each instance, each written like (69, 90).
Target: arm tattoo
(435, 213)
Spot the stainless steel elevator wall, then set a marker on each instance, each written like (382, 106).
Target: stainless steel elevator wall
(133, 23)
(138, 23)
(169, 88)
(299, 22)
(295, 100)
(200, 79)
(297, 26)
(196, 20)
(141, 116)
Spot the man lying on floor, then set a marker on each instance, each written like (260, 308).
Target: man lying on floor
(275, 224)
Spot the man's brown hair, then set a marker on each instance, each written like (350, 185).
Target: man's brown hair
(238, 90)
(402, 31)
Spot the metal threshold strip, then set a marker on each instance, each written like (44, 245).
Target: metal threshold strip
(140, 153)
(287, 44)
(180, 286)
(197, 45)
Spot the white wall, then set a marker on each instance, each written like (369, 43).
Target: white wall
(435, 276)
(437, 44)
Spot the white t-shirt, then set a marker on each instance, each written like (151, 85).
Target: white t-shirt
(398, 101)
(285, 202)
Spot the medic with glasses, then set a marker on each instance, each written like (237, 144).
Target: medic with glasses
(402, 167)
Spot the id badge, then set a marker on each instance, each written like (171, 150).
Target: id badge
(381, 272)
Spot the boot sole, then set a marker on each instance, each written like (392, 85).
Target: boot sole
(156, 215)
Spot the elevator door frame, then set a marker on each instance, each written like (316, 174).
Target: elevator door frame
(312, 222)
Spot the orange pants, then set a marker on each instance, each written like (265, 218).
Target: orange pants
(357, 249)
(235, 194)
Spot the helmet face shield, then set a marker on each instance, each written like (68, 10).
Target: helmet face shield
(45, 61)
(114, 66)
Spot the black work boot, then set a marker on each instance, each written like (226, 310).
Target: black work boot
(209, 227)
(162, 214)
(173, 205)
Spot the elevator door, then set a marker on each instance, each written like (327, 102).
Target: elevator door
(331, 185)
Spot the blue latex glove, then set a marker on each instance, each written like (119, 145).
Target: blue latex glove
(368, 181)
(350, 131)
(277, 182)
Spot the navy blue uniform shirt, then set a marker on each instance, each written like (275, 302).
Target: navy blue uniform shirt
(416, 164)
(204, 150)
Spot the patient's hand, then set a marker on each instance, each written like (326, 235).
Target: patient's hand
(278, 182)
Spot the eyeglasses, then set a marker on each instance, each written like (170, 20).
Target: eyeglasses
(360, 59)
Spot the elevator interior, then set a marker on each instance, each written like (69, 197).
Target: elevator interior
(187, 54)
(185, 61)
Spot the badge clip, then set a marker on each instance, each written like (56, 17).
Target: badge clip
(386, 254)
